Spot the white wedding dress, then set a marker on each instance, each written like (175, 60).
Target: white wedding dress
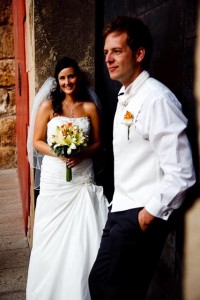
(68, 225)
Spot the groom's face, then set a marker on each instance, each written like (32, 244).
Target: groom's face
(119, 58)
(121, 61)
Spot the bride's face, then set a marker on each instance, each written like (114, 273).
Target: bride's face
(68, 81)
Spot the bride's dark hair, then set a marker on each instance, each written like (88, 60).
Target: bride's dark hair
(57, 94)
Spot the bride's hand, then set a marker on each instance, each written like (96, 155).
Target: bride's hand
(73, 161)
(63, 158)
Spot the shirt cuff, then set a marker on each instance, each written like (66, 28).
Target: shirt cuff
(162, 212)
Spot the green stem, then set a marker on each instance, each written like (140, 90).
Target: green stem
(68, 173)
(128, 131)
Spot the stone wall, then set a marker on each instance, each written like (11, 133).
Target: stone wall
(63, 28)
(7, 88)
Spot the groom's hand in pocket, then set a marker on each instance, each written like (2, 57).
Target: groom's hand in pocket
(145, 219)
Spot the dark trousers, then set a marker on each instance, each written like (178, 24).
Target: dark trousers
(127, 257)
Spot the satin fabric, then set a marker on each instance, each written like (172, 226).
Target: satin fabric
(68, 225)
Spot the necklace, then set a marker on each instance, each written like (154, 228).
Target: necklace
(72, 109)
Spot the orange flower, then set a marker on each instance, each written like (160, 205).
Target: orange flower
(128, 115)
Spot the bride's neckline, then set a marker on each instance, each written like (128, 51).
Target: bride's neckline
(71, 118)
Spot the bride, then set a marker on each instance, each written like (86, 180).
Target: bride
(69, 216)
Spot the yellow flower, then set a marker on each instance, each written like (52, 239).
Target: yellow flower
(67, 140)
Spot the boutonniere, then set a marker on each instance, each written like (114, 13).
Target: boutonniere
(128, 120)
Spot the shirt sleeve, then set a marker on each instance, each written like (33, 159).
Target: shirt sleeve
(166, 133)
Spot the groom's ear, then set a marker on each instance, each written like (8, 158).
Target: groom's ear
(140, 54)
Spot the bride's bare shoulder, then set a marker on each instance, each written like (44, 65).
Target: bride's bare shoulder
(46, 109)
(46, 104)
(89, 106)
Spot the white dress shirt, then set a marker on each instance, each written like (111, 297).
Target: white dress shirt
(153, 168)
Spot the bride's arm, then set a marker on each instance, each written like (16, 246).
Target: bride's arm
(44, 114)
(95, 138)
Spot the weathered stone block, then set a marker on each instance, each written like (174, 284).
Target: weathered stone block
(8, 158)
(6, 42)
(7, 132)
(14, 258)
(6, 12)
(14, 241)
(7, 72)
(13, 280)
(7, 101)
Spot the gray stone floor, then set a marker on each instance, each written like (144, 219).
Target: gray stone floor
(14, 249)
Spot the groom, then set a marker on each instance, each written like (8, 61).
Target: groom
(152, 167)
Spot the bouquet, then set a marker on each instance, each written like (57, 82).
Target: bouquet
(67, 140)
(128, 120)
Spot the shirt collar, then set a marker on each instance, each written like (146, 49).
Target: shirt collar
(125, 94)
